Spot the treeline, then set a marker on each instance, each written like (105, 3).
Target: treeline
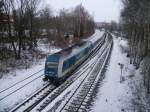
(22, 23)
(17, 18)
(135, 19)
(77, 22)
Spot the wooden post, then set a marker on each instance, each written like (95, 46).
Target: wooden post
(121, 67)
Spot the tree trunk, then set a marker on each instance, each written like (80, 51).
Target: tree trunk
(148, 39)
(148, 82)
(10, 36)
(145, 41)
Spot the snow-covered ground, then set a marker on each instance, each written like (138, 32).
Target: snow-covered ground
(112, 95)
(47, 48)
(17, 76)
(98, 34)
(20, 74)
(86, 72)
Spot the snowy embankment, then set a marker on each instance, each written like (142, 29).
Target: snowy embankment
(112, 95)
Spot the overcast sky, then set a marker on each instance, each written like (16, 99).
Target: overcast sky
(103, 10)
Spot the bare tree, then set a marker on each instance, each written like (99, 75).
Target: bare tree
(136, 21)
(31, 12)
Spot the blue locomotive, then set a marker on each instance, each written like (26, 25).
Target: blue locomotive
(59, 65)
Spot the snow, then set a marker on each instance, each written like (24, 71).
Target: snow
(20, 95)
(112, 95)
(67, 93)
(20, 74)
(123, 42)
(70, 90)
(98, 34)
(46, 47)
(15, 77)
(75, 87)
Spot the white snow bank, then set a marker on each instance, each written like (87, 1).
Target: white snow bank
(123, 43)
(113, 95)
(98, 34)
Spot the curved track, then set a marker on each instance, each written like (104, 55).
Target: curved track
(50, 100)
(79, 100)
(51, 91)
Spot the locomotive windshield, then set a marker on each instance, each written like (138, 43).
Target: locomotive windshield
(51, 65)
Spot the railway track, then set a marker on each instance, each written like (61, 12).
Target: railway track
(36, 98)
(55, 95)
(79, 100)
(19, 81)
(19, 85)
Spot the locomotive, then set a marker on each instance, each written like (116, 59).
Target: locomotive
(58, 66)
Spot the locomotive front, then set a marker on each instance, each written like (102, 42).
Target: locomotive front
(51, 66)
